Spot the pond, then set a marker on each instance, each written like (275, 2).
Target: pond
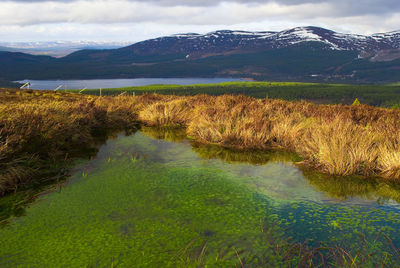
(156, 199)
(118, 83)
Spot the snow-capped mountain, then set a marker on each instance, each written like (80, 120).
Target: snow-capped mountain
(224, 41)
(298, 54)
(227, 40)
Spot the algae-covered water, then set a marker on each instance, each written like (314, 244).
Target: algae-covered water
(155, 199)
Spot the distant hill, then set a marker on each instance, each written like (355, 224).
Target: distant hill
(5, 48)
(57, 48)
(298, 54)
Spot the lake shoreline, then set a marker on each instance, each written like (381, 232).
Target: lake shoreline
(70, 84)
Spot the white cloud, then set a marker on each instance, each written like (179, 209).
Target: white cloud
(126, 20)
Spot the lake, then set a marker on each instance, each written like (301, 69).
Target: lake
(117, 83)
(157, 199)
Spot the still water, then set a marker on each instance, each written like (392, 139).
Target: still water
(118, 83)
(156, 199)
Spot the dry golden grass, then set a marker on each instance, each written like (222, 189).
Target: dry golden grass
(336, 139)
(171, 113)
(339, 147)
(389, 157)
(38, 130)
(38, 127)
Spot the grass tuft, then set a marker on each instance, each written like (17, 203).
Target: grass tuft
(172, 113)
(40, 129)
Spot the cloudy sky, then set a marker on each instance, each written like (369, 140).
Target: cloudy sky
(135, 20)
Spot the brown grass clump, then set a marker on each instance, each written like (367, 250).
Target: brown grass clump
(15, 172)
(339, 147)
(337, 139)
(230, 122)
(171, 113)
(389, 157)
(246, 123)
(40, 128)
(232, 128)
(120, 112)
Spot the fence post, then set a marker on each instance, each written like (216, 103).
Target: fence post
(27, 85)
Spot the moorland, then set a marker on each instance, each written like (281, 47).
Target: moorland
(41, 129)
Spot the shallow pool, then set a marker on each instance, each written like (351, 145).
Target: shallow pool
(156, 199)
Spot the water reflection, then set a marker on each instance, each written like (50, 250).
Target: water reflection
(352, 187)
(14, 205)
(165, 133)
(232, 156)
(280, 177)
(308, 204)
(273, 173)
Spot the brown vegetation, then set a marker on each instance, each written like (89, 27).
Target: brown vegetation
(39, 129)
(171, 113)
(336, 139)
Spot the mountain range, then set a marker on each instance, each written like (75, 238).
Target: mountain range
(298, 54)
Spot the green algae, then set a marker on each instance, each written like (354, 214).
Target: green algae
(156, 199)
(140, 214)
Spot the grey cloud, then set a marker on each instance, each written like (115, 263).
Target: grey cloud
(345, 7)
(340, 7)
(202, 12)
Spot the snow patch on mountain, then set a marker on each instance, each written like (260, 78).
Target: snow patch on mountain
(222, 41)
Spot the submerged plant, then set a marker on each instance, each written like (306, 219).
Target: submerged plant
(134, 157)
